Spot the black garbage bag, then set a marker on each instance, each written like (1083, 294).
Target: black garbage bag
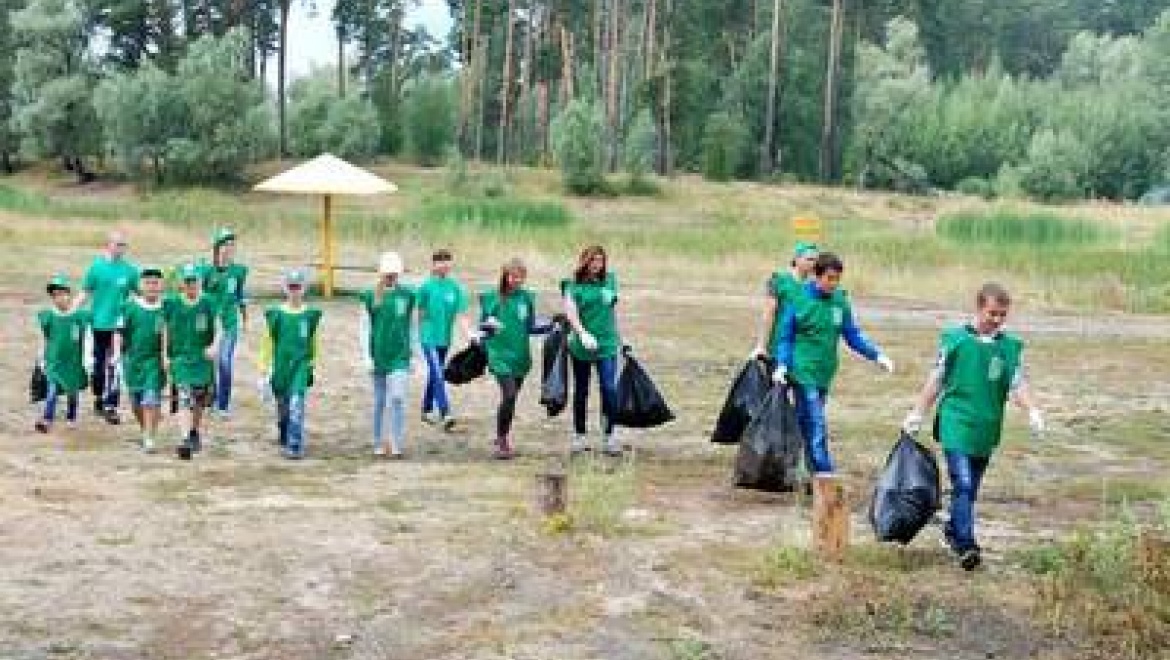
(908, 492)
(771, 449)
(38, 385)
(554, 381)
(466, 365)
(639, 403)
(743, 402)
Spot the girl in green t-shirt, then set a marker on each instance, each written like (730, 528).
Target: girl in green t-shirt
(979, 368)
(507, 320)
(590, 300)
(781, 287)
(63, 329)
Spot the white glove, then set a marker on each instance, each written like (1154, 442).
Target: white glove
(475, 336)
(757, 353)
(886, 363)
(780, 375)
(588, 340)
(1036, 421)
(493, 323)
(264, 387)
(912, 424)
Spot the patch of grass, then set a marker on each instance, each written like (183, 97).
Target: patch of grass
(490, 212)
(690, 648)
(1118, 490)
(600, 493)
(893, 558)
(784, 565)
(1005, 227)
(884, 612)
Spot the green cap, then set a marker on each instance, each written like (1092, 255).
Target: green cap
(150, 271)
(188, 272)
(295, 276)
(59, 281)
(221, 236)
(803, 248)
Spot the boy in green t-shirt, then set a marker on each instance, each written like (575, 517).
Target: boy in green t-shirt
(286, 360)
(63, 328)
(441, 299)
(779, 290)
(190, 354)
(109, 281)
(139, 345)
(979, 368)
(223, 280)
(388, 340)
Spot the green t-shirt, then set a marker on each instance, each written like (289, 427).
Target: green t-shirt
(440, 299)
(190, 331)
(509, 352)
(819, 321)
(784, 288)
(225, 285)
(109, 283)
(64, 335)
(390, 321)
(293, 335)
(142, 329)
(595, 303)
(977, 377)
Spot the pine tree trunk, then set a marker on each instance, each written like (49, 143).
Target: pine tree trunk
(281, 76)
(505, 86)
(613, 86)
(522, 138)
(480, 73)
(832, 74)
(768, 160)
(340, 64)
(651, 29)
(666, 155)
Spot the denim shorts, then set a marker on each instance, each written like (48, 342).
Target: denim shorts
(146, 399)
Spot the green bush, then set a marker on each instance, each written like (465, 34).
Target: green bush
(976, 187)
(725, 146)
(320, 121)
(1005, 228)
(577, 138)
(430, 120)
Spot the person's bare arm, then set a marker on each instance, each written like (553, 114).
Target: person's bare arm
(766, 325)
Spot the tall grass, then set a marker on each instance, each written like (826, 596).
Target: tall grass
(495, 212)
(1007, 228)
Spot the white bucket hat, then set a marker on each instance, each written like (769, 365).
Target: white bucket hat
(390, 264)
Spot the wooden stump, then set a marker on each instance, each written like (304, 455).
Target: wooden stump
(552, 492)
(830, 517)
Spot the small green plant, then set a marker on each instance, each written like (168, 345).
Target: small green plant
(1005, 227)
(783, 565)
(690, 648)
(600, 494)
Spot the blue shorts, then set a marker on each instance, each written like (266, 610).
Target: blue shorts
(146, 399)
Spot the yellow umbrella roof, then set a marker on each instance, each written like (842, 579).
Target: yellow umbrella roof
(327, 175)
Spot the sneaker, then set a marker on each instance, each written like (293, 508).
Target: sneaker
(111, 416)
(579, 445)
(184, 452)
(41, 426)
(431, 418)
(98, 407)
(222, 415)
(612, 447)
(449, 423)
(147, 446)
(503, 450)
(195, 442)
(970, 559)
(396, 456)
(71, 424)
(292, 454)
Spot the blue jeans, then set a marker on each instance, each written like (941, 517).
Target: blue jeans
(607, 377)
(290, 411)
(51, 403)
(435, 395)
(966, 476)
(390, 392)
(810, 415)
(224, 365)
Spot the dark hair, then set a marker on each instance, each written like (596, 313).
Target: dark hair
(442, 255)
(513, 264)
(992, 291)
(54, 288)
(581, 274)
(828, 262)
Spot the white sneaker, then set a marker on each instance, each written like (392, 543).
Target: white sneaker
(579, 444)
(613, 447)
(147, 446)
(222, 415)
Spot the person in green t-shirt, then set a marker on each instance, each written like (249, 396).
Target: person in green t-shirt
(507, 315)
(287, 359)
(190, 354)
(223, 280)
(812, 325)
(63, 328)
(389, 338)
(109, 281)
(780, 288)
(441, 299)
(590, 300)
(139, 345)
(979, 367)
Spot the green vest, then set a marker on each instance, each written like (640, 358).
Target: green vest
(142, 329)
(509, 353)
(64, 337)
(977, 379)
(224, 285)
(390, 319)
(784, 288)
(440, 299)
(293, 335)
(190, 331)
(595, 303)
(818, 332)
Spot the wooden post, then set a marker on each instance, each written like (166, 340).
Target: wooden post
(552, 492)
(830, 517)
(327, 248)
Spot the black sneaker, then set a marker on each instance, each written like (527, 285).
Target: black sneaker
(195, 442)
(111, 416)
(184, 452)
(449, 423)
(99, 408)
(42, 426)
(970, 559)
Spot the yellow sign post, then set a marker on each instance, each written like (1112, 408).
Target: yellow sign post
(807, 229)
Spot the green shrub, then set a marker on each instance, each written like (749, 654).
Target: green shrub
(1005, 228)
(430, 120)
(725, 144)
(577, 135)
(976, 187)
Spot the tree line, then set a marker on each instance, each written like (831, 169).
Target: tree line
(1050, 98)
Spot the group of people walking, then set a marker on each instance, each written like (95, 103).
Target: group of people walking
(145, 336)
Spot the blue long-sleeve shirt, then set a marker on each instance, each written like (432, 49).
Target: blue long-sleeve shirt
(853, 335)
